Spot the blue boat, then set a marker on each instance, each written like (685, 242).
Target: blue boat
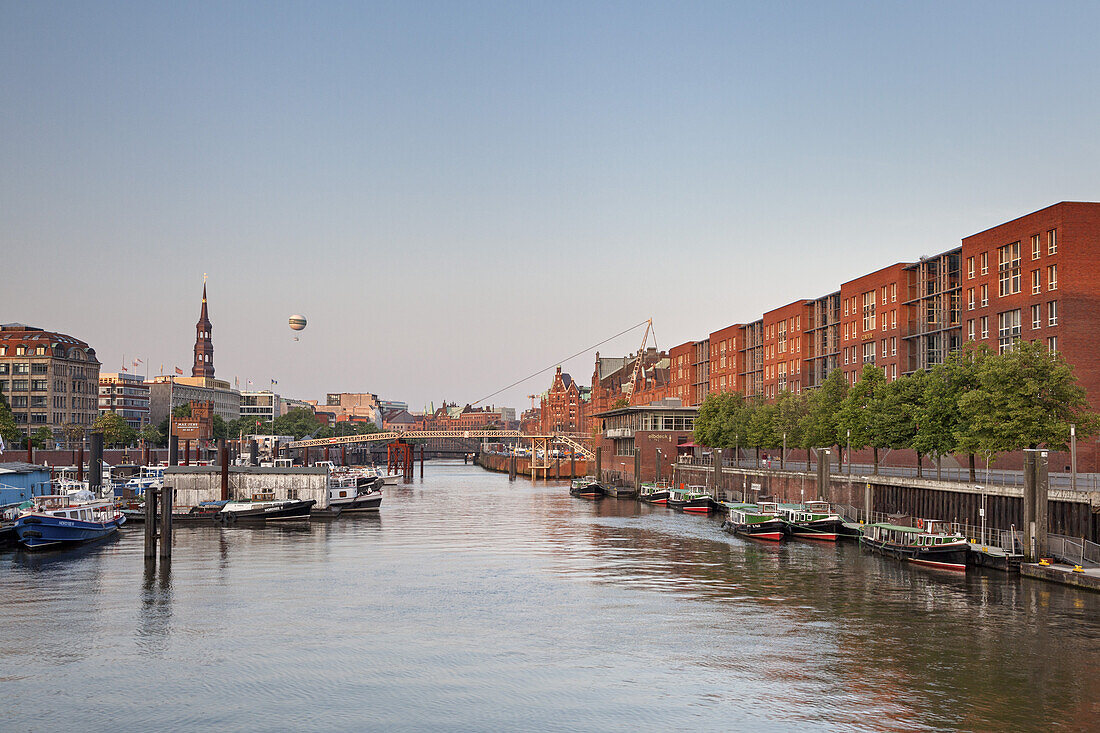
(62, 521)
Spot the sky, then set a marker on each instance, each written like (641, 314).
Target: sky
(458, 194)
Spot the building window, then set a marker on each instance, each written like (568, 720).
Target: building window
(869, 311)
(970, 330)
(1036, 284)
(985, 296)
(883, 299)
(1036, 316)
(1036, 247)
(1052, 344)
(969, 268)
(1008, 325)
(869, 352)
(970, 299)
(1052, 242)
(893, 292)
(985, 263)
(985, 327)
(1052, 277)
(1052, 313)
(20, 368)
(1008, 268)
(893, 346)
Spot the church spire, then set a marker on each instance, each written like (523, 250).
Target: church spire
(204, 347)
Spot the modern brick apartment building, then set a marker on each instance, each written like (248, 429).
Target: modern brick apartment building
(1035, 277)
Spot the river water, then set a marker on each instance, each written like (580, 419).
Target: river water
(473, 603)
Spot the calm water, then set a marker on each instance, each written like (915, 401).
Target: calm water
(472, 603)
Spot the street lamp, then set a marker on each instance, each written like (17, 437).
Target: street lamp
(660, 455)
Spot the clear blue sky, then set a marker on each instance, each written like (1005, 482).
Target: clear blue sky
(456, 194)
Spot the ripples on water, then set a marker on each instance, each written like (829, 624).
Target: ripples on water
(473, 603)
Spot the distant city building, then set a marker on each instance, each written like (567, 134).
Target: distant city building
(126, 395)
(563, 406)
(351, 407)
(289, 404)
(453, 417)
(398, 420)
(392, 405)
(201, 386)
(265, 405)
(49, 379)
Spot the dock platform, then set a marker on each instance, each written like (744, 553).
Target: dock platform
(1060, 573)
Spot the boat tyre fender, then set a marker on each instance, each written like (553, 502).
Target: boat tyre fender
(33, 520)
(920, 524)
(32, 533)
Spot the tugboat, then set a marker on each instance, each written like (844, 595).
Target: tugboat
(932, 542)
(264, 508)
(587, 487)
(813, 520)
(654, 493)
(694, 499)
(55, 521)
(761, 522)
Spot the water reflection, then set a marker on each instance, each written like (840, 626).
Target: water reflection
(473, 602)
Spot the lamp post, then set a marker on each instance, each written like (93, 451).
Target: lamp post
(660, 455)
(849, 452)
(783, 457)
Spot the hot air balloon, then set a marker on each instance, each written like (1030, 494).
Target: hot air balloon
(297, 323)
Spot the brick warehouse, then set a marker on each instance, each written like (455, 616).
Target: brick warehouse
(1035, 277)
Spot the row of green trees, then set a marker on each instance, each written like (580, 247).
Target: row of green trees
(976, 402)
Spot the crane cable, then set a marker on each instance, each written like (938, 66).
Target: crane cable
(546, 369)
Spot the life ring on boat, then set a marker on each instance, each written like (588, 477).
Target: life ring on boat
(920, 524)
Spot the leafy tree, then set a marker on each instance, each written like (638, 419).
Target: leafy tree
(708, 421)
(790, 412)
(116, 431)
(9, 431)
(761, 426)
(1025, 397)
(219, 428)
(943, 426)
(861, 417)
(74, 432)
(901, 406)
(182, 410)
(151, 435)
(820, 423)
(41, 436)
(297, 422)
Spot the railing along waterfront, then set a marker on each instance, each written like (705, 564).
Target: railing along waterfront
(1075, 550)
(1011, 541)
(992, 477)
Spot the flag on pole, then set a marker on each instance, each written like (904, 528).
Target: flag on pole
(125, 369)
(139, 361)
(274, 382)
(179, 371)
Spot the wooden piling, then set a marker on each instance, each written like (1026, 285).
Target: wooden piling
(223, 453)
(151, 495)
(95, 462)
(423, 450)
(174, 450)
(572, 465)
(166, 495)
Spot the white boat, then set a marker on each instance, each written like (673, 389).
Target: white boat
(354, 493)
(69, 519)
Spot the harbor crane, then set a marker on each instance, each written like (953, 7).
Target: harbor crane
(641, 354)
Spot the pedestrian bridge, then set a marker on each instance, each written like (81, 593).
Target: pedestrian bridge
(538, 442)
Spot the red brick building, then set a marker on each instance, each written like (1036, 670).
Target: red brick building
(1035, 277)
(563, 406)
(647, 437)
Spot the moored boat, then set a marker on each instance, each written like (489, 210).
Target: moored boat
(262, 508)
(587, 486)
(694, 499)
(759, 522)
(932, 543)
(654, 493)
(813, 520)
(355, 493)
(63, 520)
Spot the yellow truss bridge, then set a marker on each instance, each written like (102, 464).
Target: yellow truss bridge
(538, 442)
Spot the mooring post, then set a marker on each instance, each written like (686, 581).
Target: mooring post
(557, 468)
(423, 450)
(253, 450)
(166, 496)
(343, 455)
(599, 463)
(80, 464)
(637, 468)
(1030, 550)
(717, 470)
(1042, 487)
(95, 462)
(572, 465)
(151, 495)
(174, 450)
(223, 453)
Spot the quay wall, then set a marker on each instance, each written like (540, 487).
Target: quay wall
(559, 467)
(195, 484)
(1070, 513)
